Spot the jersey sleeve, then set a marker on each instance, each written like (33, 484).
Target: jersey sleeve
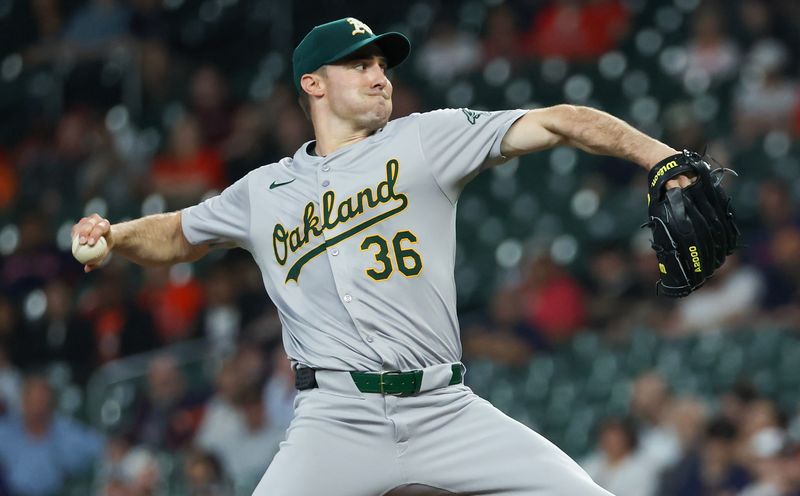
(220, 219)
(459, 143)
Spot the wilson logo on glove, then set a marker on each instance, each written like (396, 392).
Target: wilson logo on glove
(663, 170)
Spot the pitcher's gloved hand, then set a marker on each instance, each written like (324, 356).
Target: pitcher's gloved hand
(694, 227)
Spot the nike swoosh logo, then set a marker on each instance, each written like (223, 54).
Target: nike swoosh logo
(278, 185)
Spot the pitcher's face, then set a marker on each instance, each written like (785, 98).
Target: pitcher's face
(358, 89)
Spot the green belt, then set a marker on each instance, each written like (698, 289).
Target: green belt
(397, 383)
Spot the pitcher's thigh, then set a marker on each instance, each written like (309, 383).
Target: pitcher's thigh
(327, 451)
(480, 450)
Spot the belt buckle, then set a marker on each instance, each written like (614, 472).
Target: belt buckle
(381, 383)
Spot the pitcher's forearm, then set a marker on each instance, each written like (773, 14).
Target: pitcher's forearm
(598, 132)
(154, 240)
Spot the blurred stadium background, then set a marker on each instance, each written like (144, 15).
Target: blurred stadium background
(133, 381)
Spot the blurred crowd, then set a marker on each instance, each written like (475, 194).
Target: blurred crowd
(132, 107)
(683, 445)
(222, 437)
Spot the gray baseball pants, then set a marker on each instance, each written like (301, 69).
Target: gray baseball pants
(441, 441)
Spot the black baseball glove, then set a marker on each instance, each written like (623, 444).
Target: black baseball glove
(694, 228)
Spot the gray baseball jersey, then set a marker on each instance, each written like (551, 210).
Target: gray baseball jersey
(357, 249)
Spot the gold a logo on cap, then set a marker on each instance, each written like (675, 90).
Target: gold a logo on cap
(358, 26)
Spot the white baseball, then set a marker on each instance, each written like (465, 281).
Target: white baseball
(89, 254)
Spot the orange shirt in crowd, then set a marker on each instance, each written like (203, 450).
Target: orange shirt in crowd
(557, 308)
(576, 33)
(8, 182)
(174, 308)
(204, 167)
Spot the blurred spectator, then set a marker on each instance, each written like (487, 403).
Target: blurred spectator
(447, 54)
(59, 335)
(95, 24)
(762, 441)
(576, 30)
(10, 384)
(710, 468)
(646, 311)
(247, 455)
(775, 210)
(48, 164)
(761, 415)
(686, 419)
(174, 298)
(264, 329)
(253, 301)
(128, 470)
(222, 421)
(727, 298)
(279, 391)
(796, 119)
(770, 449)
(249, 145)
(252, 365)
(203, 475)
(209, 102)
(222, 317)
(790, 457)
(785, 274)
(772, 246)
(109, 468)
(554, 301)
(756, 19)
(265, 132)
(614, 287)
(504, 336)
(139, 475)
(148, 20)
(47, 27)
(39, 448)
(501, 36)
(168, 414)
(9, 321)
(120, 326)
(684, 130)
(104, 173)
(710, 50)
(616, 466)
(291, 131)
(8, 182)
(735, 402)
(405, 100)
(651, 403)
(766, 96)
(35, 260)
(762, 19)
(162, 79)
(188, 169)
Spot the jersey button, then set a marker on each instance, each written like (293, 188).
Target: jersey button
(326, 168)
(370, 338)
(325, 183)
(334, 252)
(347, 298)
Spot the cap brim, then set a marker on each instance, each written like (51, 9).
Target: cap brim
(395, 47)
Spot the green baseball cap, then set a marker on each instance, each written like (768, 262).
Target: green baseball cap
(335, 40)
